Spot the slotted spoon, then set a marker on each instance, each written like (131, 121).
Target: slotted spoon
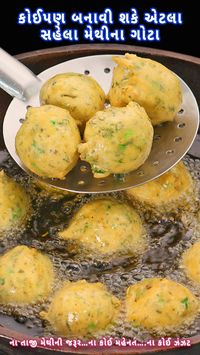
(172, 140)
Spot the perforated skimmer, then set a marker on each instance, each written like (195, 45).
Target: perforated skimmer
(171, 140)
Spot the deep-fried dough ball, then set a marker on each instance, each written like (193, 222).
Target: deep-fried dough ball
(14, 203)
(160, 304)
(82, 308)
(26, 276)
(118, 140)
(47, 141)
(81, 95)
(169, 187)
(191, 262)
(147, 82)
(106, 227)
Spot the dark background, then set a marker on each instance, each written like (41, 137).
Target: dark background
(181, 38)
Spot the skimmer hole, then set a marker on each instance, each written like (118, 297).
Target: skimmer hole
(21, 120)
(156, 137)
(181, 125)
(83, 169)
(155, 163)
(107, 70)
(86, 72)
(181, 111)
(170, 151)
(140, 173)
(81, 182)
(177, 139)
(107, 104)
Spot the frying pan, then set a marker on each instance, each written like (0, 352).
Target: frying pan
(186, 66)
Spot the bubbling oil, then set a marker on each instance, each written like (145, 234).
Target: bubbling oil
(169, 234)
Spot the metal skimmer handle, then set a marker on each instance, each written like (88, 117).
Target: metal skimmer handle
(16, 79)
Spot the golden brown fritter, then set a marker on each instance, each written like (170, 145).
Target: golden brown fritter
(148, 83)
(26, 276)
(47, 141)
(81, 95)
(82, 309)
(160, 304)
(117, 140)
(14, 203)
(106, 227)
